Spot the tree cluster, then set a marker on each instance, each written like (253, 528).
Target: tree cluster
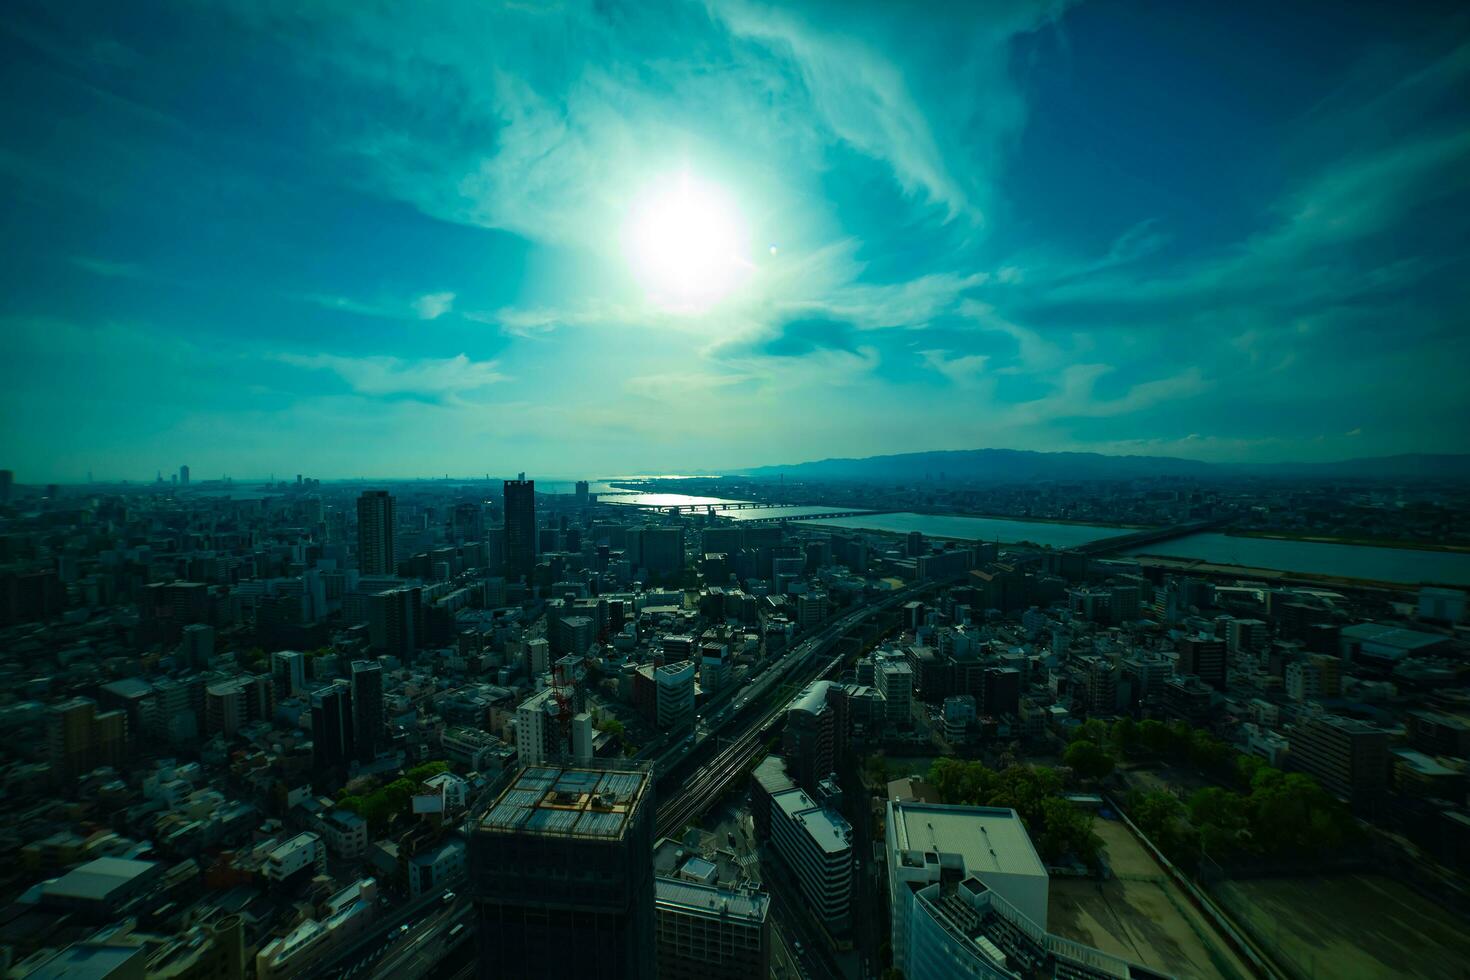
(1056, 826)
(1284, 817)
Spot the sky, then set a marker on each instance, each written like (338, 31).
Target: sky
(359, 239)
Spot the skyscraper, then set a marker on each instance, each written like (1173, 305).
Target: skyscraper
(581, 493)
(562, 872)
(331, 726)
(375, 525)
(520, 528)
(369, 731)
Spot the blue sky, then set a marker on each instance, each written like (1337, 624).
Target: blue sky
(343, 240)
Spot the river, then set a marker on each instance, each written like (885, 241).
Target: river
(1320, 558)
(1312, 557)
(980, 528)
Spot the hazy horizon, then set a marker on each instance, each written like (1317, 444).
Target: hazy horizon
(684, 236)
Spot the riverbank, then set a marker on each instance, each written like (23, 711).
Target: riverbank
(1198, 566)
(1362, 542)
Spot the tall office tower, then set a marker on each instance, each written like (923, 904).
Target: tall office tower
(184, 476)
(581, 493)
(368, 726)
(469, 523)
(392, 622)
(288, 673)
(520, 528)
(562, 876)
(196, 646)
(331, 726)
(375, 524)
(1204, 657)
(7, 485)
(663, 550)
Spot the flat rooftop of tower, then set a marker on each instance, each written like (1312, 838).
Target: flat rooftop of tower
(988, 838)
(565, 801)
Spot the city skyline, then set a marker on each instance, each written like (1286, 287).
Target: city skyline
(715, 236)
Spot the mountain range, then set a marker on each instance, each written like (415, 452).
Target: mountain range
(1025, 466)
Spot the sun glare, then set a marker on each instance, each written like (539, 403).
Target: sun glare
(686, 243)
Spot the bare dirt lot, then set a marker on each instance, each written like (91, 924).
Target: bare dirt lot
(1139, 914)
(1359, 925)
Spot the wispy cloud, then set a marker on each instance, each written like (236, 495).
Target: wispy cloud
(431, 306)
(427, 378)
(108, 268)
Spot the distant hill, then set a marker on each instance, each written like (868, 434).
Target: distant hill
(1024, 466)
(1410, 466)
(999, 465)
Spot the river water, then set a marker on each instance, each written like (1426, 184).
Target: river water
(1313, 557)
(1319, 557)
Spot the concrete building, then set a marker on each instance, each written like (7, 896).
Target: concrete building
(393, 617)
(369, 724)
(926, 842)
(961, 928)
(345, 833)
(288, 673)
(305, 852)
(815, 733)
(538, 729)
(376, 530)
(332, 743)
(1348, 757)
(663, 550)
(79, 738)
(705, 932)
(816, 846)
(896, 684)
(561, 869)
(1204, 657)
(674, 708)
(520, 529)
(436, 868)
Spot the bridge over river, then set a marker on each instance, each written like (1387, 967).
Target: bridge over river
(1152, 535)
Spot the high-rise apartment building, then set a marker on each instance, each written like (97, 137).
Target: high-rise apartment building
(1348, 757)
(369, 728)
(376, 523)
(1204, 657)
(288, 673)
(582, 495)
(392, 622)
(332, 744)
(562, 876)
(520, 528)
(79, 738)
(816, 845)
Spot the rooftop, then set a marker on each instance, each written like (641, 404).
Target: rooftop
(831, 832)
(987, 838)
(96, 880)
(692, 897)
(1391, 636)
(568, 801)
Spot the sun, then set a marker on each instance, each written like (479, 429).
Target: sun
(686, 243)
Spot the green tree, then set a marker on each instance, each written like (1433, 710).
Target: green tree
(426, 770)
(1093, 730)
(1088, 759)
(1124, 737)
(1066, 829)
